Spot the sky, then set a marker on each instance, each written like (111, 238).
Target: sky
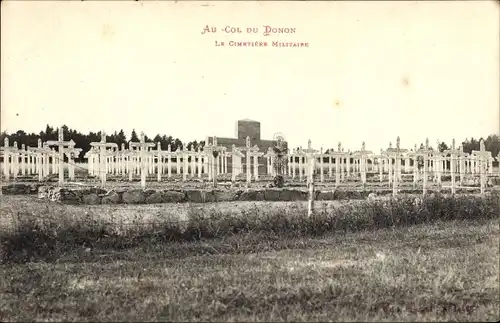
(373, 71)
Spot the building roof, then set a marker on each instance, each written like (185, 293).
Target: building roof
(248, 120)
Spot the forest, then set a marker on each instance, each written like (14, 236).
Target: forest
(83, 140)
(492, 142)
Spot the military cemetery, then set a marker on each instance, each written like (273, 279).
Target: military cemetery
(164, 161)
(220, 174)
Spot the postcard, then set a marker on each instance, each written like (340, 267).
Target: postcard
(250, 160)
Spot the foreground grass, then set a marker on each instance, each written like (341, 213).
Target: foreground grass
(387, 260)
(53, 231)
(442, 271)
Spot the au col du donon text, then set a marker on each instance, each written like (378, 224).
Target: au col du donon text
(265, 31)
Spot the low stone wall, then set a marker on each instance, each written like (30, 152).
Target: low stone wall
(21, 189)
(323, 189)
(150, 196)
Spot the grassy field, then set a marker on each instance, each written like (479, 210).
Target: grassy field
(141, 214)
(442, 269)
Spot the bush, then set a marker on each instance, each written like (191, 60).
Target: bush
(50, 236)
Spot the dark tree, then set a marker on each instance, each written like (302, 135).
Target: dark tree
(133, 136)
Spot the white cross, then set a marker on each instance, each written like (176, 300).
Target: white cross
(425, 152)
(454, 153)
(61, 144)
(337, 155)
(363, 153)
(212, 152)
(310, 153)
(103, 154)
(482, 154)
(396, 153)
(250, 152)
(72, 153)
(144, 146)
(6, 155)
(236, 156)
(38, 152)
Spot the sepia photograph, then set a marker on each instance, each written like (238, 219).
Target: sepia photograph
(250, 161)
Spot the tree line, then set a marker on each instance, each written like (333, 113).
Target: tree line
(492, 142)
(83, 140)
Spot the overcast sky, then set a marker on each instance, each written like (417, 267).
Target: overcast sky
(373, 70)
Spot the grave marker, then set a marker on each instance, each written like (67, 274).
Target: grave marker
(310, 154)
(6, 158)
(482, 156)
(236, 156)
(159, 157)
(337, 156)
(72, 153)
(454, 153)
(425, 152)
(363, 154)
(143, 147)
(250, 152)
(212, 152)
(396, 153)
(60, 144)
(103, 146)
(38, 152)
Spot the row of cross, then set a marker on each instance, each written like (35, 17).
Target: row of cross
(392, 152)
(397, 154)
(65, 148)
(142, 148)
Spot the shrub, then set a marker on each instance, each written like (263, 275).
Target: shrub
(49, 236)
